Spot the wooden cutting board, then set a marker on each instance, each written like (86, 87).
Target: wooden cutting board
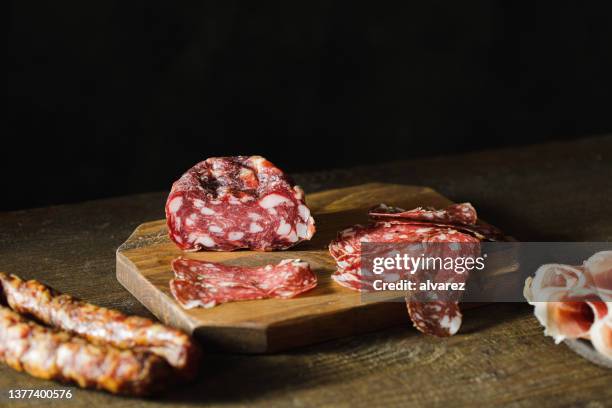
(329, 311)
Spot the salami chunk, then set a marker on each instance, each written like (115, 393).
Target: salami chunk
(207, 284)
(228, 203)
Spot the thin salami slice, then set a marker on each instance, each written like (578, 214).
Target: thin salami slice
(207, 284)
(228, 203)
(463, 213)
(441, 319)
(461, 217)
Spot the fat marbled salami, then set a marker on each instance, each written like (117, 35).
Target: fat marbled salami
(228, 203)
(207, 284)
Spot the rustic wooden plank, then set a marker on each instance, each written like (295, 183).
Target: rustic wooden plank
(557, 191)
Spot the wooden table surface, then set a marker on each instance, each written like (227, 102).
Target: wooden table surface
(552, 192)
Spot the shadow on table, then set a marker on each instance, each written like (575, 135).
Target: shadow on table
(244, 378)
(241, 378)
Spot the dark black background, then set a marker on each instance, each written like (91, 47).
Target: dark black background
(109, 97)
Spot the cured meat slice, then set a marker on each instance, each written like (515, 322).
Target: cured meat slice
(463, 213)
(461, 217)
(100, 325)
(572, 302)
(57, 355)
(441, 319)
(600, 272)
(207, 284)
(601, 335)
(228, 203)
(435, 317)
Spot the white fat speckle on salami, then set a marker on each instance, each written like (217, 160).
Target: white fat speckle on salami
(206, 210)
(205, 240)
(206, 284)
(255, 228)
(273, 200)
(284, 228)
(228, 203)
(175, 204)
(235, 235)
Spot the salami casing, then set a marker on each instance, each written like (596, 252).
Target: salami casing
(228, 203)
(207, 284)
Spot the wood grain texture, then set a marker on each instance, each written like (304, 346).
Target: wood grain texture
(329, 311)
(557, 191)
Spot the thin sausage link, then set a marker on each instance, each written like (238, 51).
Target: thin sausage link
(100, 325)
(57, 355)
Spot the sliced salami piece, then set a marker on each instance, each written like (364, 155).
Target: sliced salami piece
(347, 251)
(441, 319)
(207, 284)
(463, 213)
(461, 217)
(228, 203)
(352, 278)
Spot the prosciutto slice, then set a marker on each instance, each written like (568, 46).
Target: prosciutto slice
(574, 302)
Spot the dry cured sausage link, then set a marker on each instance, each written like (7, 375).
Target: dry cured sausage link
(57, 355)
(229, 203)
(100, 325)
(207, 284)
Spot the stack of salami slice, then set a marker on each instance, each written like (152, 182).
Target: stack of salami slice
(457, 224)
